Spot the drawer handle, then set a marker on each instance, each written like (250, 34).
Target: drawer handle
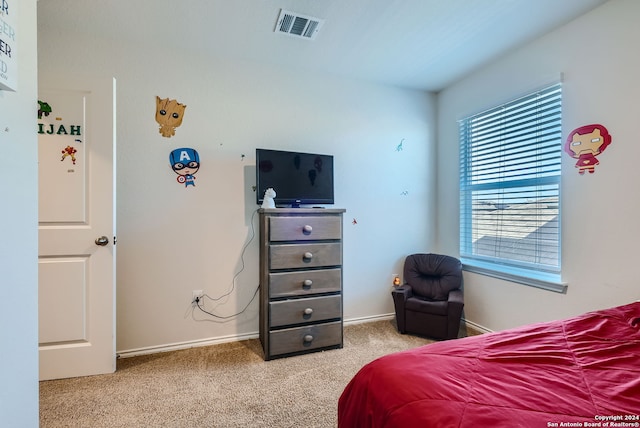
(308, 255)
(308, 311)
(307, 283)
(307, 229)
(308, 338)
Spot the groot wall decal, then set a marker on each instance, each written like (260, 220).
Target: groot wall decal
(169, 115)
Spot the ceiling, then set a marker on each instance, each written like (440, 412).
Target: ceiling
(419, 44)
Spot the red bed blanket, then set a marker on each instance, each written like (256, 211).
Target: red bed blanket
(579, 372)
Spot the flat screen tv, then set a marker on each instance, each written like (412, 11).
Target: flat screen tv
(297, 178)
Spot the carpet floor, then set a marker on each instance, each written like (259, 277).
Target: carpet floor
(227, 385)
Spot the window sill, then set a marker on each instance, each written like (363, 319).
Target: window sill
(539, 280)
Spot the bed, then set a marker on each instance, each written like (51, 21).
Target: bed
(579, 372)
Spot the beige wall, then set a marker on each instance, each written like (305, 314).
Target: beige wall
(19, 240)
(600, 229)
(172, 240)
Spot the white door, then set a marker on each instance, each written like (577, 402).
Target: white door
(76, 263)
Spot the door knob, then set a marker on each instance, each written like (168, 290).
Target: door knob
(102, 241)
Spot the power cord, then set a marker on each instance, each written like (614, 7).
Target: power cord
(199, 300)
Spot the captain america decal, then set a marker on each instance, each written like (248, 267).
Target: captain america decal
(185, 162)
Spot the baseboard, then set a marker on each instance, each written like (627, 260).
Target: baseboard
(186, 345)
(225, 339)
(477, 327)
(372, 318)
(238, 337)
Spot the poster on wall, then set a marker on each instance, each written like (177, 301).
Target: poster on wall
(585, 144)
(185, 162)
(169, 114)
(61, 156)
(8, 55)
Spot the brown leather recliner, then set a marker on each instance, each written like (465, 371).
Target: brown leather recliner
(430, 301)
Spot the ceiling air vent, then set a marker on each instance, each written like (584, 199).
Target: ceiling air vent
(294, 24)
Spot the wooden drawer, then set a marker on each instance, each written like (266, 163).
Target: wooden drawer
(305, 228)
(297, 311)
(287, 284)
(305, 338)
(292, 256)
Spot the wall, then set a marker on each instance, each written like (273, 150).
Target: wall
(172, 239)
(19, 242)
(600, 230)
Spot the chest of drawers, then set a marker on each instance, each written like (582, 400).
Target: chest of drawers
(300, 280)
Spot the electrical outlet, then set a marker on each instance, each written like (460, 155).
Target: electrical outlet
(196, 294)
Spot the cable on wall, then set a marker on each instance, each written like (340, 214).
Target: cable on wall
(199, 301)
(255, 293)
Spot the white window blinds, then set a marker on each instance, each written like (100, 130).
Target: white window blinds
(510, 184)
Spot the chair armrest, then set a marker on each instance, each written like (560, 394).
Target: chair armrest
(456, 304)
(456, 297)
(400, 296)
(402, 292)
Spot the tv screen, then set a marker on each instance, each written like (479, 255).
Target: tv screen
(297, 178)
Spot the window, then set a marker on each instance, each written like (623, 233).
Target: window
(510, 160)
